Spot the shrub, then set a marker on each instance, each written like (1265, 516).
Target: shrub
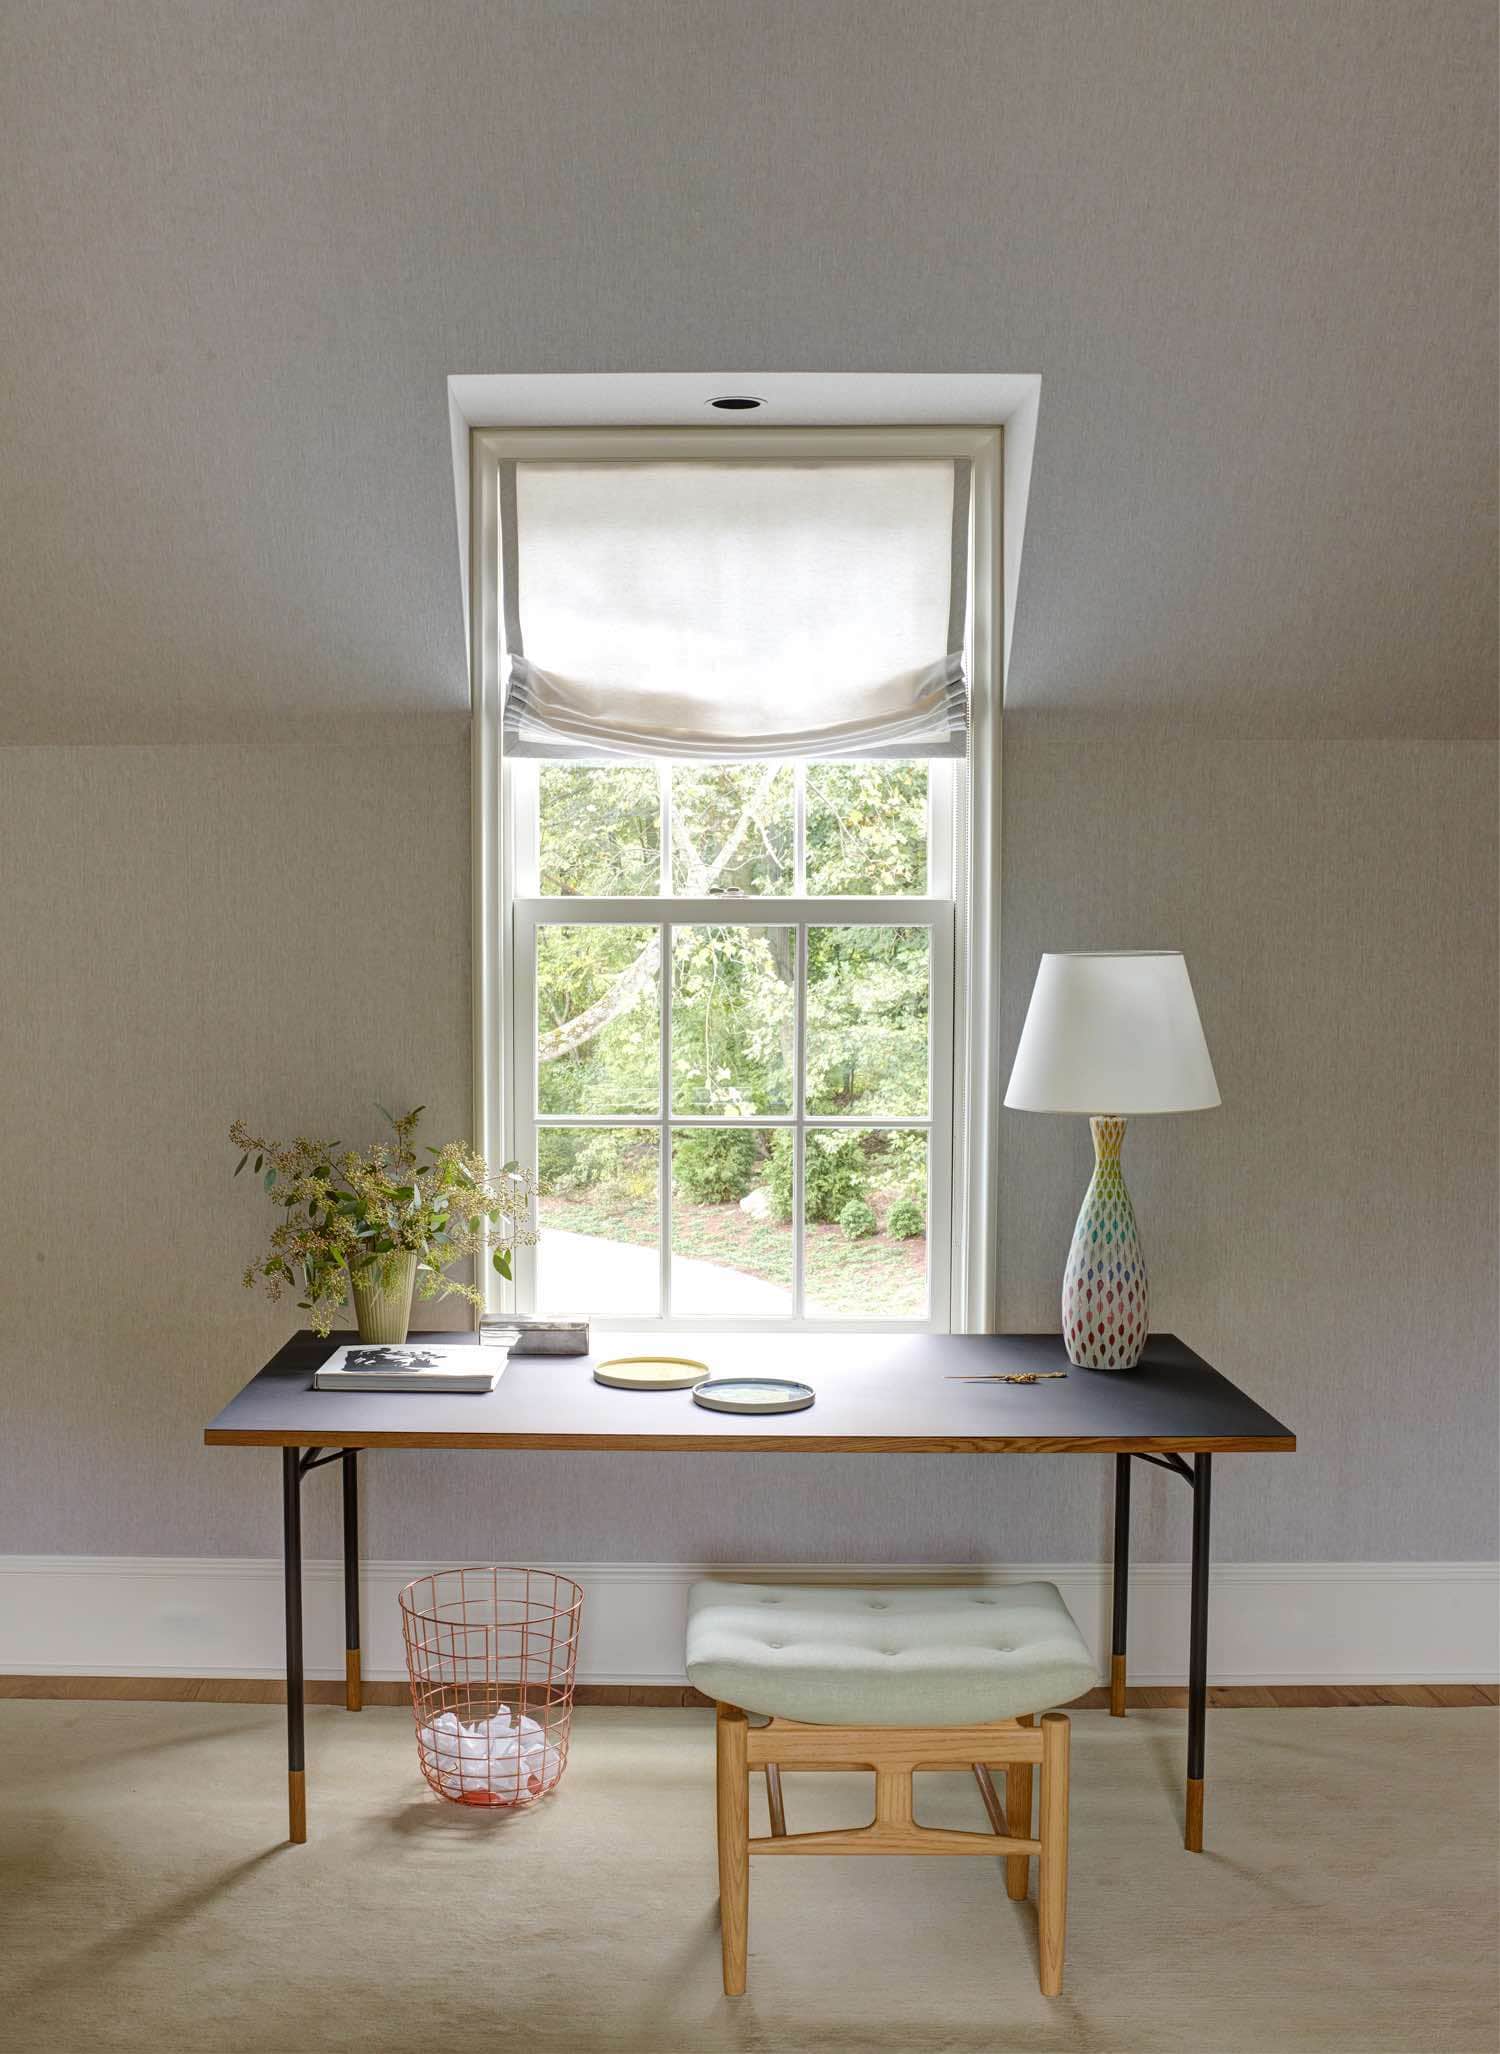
(906, 1220)
(903, 1172)
(858, 1220)
(835, 1172)
(610, 1164)
(712, 1166)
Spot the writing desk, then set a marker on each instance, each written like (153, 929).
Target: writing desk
(877, 1394)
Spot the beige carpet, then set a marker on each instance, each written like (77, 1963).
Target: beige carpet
(147, 1901)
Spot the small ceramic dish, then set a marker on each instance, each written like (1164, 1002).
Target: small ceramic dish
(754, 1394)
(650, 1372)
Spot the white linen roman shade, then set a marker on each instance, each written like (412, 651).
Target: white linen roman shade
(735, 609)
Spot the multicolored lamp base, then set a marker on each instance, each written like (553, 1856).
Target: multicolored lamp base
(1104, 1303)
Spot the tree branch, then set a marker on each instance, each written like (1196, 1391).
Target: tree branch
(573, 1034)
(567, 1039)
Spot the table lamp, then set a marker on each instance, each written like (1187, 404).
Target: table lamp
(1110, 1033)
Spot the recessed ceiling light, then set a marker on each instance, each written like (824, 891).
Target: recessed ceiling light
(737, 403)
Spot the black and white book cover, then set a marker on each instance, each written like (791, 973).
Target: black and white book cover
(409, 1366)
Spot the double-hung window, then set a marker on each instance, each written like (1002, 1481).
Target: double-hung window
(733, 733)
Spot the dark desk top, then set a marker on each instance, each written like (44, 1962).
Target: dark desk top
(876, 1393)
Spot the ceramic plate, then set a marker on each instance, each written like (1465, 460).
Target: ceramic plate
(650, 1372)
(754, 1394)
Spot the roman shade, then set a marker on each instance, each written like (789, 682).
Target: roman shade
(735, 609)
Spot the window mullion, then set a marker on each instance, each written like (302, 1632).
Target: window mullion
(664, 1130)
(799, 1114)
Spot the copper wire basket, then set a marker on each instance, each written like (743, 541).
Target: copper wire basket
(491, 1655)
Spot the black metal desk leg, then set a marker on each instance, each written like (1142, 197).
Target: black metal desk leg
(353, 1687)
(1198, 1655)
(1122, 1587)
(291, 1524)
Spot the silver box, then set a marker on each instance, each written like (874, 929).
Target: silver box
(550, 1336)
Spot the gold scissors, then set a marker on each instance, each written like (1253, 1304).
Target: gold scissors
(1012, 1376)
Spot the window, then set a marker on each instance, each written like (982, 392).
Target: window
(725, 1007)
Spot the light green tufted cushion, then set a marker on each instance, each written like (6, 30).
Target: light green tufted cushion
(912, 1656)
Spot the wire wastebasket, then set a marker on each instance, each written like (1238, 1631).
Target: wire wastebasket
(491, 1655)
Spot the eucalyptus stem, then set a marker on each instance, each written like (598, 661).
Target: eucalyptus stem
(342, 1210)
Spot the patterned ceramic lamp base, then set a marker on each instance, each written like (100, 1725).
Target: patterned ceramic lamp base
(1104, 1309)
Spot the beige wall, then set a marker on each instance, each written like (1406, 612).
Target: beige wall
(1327, 1237)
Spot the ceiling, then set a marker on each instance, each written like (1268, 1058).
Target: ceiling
(1250, 249)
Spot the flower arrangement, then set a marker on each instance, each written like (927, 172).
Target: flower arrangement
(373, 1220)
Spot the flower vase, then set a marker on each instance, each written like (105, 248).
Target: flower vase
(382, 1290)
(1104, 1285)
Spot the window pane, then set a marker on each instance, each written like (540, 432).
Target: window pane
(867, 991)
(866, 828)
(733, 1019)
(600, 829)
(598, 1207)
(733, 828)
(731, 1223)
(597, 1018)
(866, 1248)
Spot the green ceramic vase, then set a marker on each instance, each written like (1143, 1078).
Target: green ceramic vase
(382, 1296)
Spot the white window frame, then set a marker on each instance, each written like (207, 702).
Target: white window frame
(962, 911)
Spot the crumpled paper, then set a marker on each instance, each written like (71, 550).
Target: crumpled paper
(499, 1759)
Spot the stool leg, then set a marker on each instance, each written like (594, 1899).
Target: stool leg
(1018, 1821)
(1052, 1878)
(732, 1729)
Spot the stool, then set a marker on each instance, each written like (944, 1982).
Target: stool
(892, 1680)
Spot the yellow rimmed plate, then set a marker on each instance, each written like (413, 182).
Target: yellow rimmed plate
(650, 1372)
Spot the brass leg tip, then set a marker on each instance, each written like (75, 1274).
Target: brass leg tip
(296, 1804)
(1117, 1686)
(1192, 1837)
(353, 1688)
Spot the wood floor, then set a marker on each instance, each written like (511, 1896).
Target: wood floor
(266, 1690)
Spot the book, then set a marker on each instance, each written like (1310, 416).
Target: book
(375, 1366)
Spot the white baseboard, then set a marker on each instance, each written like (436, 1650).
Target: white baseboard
(1270, 1622)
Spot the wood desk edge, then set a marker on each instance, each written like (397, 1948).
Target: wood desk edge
(765, 1442)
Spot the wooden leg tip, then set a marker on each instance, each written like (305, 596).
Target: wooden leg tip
(296, 1806)
(1117, 1686)
(353, 1684)
(1192, 1837)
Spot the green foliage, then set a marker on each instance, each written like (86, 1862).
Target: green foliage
(597, 1019)
(906, 1219)
(712, 1166)
(343, 1211)
(733, 827)
(600, 829)
(733, 1019)
(866, 828)
(734, 988)
(612, 1163)
(858, 1220)
(867, 1020)
(835, 1171)
(903, 1167)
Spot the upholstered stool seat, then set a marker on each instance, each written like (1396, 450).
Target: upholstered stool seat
(892, 1680)
(885, 1657)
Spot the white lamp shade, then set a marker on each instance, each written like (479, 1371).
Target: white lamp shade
(1112, 1033)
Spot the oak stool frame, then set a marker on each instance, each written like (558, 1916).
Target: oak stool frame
(895, 1754)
